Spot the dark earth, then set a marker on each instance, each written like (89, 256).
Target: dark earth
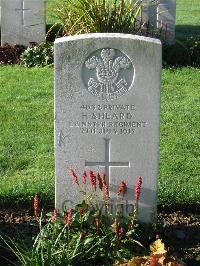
(179, 229)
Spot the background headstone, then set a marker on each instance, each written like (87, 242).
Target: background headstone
(166, 19)
(160, 14)
(0, 12)
(107, 108)
(149, 12)
(22, 21)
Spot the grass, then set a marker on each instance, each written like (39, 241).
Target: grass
(26, 126)
(179, 149)
(187, 18)
(188, 12)
(26, 143)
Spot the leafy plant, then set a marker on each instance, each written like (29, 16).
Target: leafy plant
(10, 54)
(88, 234)
(39, 55)
(86, 16)
(183, 53)
(193, 45)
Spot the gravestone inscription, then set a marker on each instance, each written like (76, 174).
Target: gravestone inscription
(107, 107)
(22, 21)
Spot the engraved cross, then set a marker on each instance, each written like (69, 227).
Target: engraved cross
(21, 10)
(108, 164)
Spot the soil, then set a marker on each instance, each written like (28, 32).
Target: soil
(180, 230)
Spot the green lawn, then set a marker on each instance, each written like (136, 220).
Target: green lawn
(188, 12)
(26, 126)
(180, 127)
(187, 18)
(26, 143)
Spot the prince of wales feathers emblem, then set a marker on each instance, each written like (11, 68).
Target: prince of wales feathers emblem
(108, 84)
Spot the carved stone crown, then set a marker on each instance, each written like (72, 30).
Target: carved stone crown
(110, 75)
(106, 66)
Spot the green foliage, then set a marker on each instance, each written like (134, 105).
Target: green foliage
(185, 53)
(194, 48)
(10, 54)
(59, 244)
(41, 55)
(86, 235)
(85, 16)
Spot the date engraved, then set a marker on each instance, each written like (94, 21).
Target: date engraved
(108, 120)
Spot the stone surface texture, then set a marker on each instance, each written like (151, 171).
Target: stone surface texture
(22, 21)
(107, 108)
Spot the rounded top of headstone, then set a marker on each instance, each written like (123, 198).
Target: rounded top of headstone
(107, 35)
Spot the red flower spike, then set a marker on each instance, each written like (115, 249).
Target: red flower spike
(100, 181)
(84, 177)
(81, 211)
(69, 217)
(106, 191)
(74, 176)
(93, 180)
(54, 215)
(138, 188)
(44, 219)
(121, 231)
(97, 224)
(105, 186)
(66, 217)
(122, 188)
(116, 226)
(104, 179)
(35, 205)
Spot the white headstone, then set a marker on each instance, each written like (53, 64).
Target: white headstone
(0, 12)
(161, 14)
(22, 21)
(166, 19)
(107, 108)
(149, 12)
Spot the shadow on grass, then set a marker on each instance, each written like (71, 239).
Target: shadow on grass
(45, 203)
(185, 31)
(185, 52)
(186, 207)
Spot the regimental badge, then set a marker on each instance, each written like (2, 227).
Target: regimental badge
(108, 73)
